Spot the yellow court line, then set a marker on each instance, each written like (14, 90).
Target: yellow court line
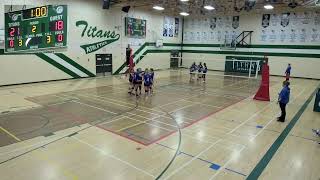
(10, 134)
(65, 172)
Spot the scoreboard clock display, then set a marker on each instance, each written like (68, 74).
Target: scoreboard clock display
(36, 28)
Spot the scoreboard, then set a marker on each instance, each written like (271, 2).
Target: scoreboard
(36, 28)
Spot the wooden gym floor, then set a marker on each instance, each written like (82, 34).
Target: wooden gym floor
(92, 129)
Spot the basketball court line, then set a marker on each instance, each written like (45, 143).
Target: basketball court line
(117, 119)
(226, 164)
(131, 126)
(264, 161)
(293, 100)
(204, 104)
(253, 137)
(188, 134)
(10, 134)
(258, 112)
(252, 116)
(25, 147)
(91, 106)
(211, 93)
(192, 156)
(186, 129)
(190, 161)
(65, 172)
(94, 107)
(120, 104)
(112, 156)
(181, 108)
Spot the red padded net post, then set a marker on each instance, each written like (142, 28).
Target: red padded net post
(263, 92)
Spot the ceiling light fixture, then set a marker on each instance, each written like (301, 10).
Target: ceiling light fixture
(268, 6)
(159, 8)
(208, 7)
(184, 0)
(184, 14)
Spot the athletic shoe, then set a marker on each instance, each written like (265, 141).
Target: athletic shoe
(317, 132)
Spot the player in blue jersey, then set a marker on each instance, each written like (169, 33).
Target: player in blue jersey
(131, 77)
(152, 80)
(200, 68)
(288, 72)
(147, 81)
(193, 68)
(138, 81)
(204, 71)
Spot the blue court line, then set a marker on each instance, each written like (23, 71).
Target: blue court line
(215, 167)
(263, 163)
(259, 127)
(212, 165)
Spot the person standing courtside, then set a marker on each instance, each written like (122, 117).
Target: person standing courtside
(288, 72)
(283, 100)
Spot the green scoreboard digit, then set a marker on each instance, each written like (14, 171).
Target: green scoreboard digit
(36, 28)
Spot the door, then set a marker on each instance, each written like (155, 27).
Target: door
(103, 64)
(174, 59)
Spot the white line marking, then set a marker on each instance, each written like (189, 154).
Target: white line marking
(117, 119)
(181, 108)
(264, 127)
(204, 104)
(225, 165)
(112, 156)
(190, 161)
(119, 104)
(94, 107)
(252, 116)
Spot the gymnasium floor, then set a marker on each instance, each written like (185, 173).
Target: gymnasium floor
(92, 129)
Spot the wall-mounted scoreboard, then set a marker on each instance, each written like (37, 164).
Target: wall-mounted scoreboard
(36, 28)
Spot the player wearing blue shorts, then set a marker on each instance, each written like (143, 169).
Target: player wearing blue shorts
(288, 72)
(193, 68)
(152, 80)
(147, 81)
(131, 77)
(204, 71)
(137, 80)
(200, 69)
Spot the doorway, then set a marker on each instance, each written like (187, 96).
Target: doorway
(103, 64)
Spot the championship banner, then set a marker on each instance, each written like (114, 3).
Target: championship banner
(285, 19)
(213, 23)
(176, 27)
(170, 27)
(274, 19)
(235, 22)
(265, 20)
(306, 18)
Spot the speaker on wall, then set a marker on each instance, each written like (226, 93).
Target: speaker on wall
(106, 4)
(126, 9)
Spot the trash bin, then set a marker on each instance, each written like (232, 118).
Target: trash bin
(316, 107)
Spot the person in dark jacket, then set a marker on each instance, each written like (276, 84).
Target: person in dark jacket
(283, 100)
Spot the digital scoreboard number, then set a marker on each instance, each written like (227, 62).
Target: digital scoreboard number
(37, 28)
